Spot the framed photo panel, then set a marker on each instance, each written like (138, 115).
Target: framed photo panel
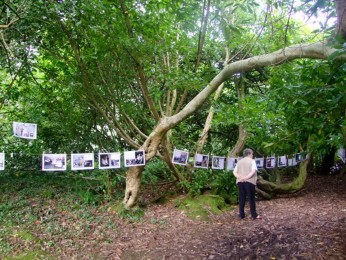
(259, 163)
(109, 160)
(290, 162)
(2, 161)
(180, 157)
(25, 130)
(134, 158)
(82, 161)
(201, 161)
(282, 161)
(53, 162)
(342, 154)
(218, 162)
(270, 162)
(231, 163)
(298, 157)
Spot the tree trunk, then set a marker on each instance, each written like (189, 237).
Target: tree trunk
(133, 182)
(239, 145)
(292, 187)
(340, 6)
(207, 124)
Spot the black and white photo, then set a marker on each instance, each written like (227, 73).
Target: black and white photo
(342, 154)
(270, 162)
(134, 158)
(259, 163)
(231, 163)
(25, 130)
(282, 161)
(218, 162)
(2, 161)
(201, 161)
(82, 161)
(109, 160)
(180, 157)
(53, 162)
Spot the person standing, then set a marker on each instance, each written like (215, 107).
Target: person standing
(246, 173)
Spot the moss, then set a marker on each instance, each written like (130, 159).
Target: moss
(33, 255)
(202, 206)
(26, 236)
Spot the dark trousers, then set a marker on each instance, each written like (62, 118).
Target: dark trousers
(247, 189)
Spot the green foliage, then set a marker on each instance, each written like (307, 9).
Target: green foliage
(224, 185)
(221, 183)
(156, 170)
(200, 180)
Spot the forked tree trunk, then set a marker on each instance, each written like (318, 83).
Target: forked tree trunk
(133, 174)
(133, 182)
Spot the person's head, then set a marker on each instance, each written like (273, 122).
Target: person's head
(248, 152)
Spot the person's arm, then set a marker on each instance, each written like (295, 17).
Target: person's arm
(253, 171)
(235, 173)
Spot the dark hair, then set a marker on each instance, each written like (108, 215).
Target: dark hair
(247, 152)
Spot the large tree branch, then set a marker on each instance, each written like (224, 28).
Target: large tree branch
(318, 50)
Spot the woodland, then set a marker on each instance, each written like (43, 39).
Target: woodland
(209, 77)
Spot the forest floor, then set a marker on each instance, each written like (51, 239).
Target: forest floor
(307, 225)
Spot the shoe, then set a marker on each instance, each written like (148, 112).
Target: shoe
(258, 217)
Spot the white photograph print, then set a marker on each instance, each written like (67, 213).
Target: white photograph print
(2, 161)
(109, 160)
(231, 163)
(134, 158)
(282, 161)
(25, 130)
(218, 162)
(180, 157)
(82, 161)
(270, 162)
(342, 154)
(201, 161)
(259, 163)
(53, 162)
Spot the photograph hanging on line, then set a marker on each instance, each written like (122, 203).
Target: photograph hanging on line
(82, 161)
(231, 163)
(25, 130)
(218, 162)
(109, 160)
(53, 162)
(259, 163)
(2, 161)
(298, 157)
(201, 161)
(270, 162)
(342, 154)
(134, 158)
(282, 161)
(180, 157)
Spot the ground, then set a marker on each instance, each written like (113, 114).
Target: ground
(307, 225)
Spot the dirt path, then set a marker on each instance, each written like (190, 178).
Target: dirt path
(309, 225)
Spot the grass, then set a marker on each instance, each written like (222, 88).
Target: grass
(41, 215)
